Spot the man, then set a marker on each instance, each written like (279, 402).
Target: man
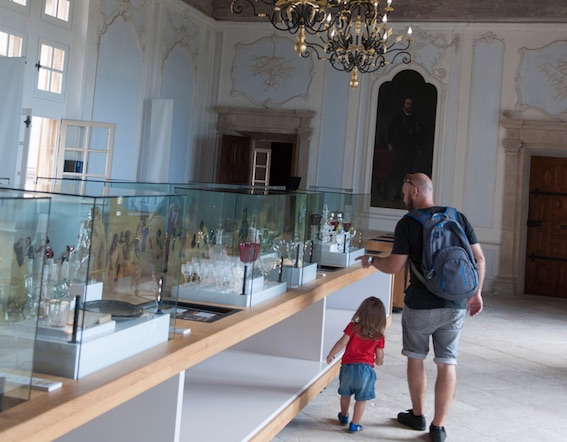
(405, 138)
(436, 317)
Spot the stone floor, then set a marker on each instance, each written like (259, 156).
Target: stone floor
(512, 382)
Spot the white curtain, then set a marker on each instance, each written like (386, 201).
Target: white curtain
(11, 85)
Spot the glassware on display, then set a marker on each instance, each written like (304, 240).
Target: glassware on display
(218, 251)
(270, 261)
(249, 252)
(186, 270)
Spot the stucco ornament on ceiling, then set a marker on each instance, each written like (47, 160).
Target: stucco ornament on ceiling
(268, 72)
(541, 80)
(130, 11)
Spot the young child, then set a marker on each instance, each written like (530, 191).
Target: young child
(364, 341)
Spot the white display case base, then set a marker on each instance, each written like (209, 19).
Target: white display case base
(131, 336)
(324, 256)
(297, 276)
(91, 292)
(211, 294)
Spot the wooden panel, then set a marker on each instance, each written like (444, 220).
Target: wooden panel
(234, 165)
(546, 244)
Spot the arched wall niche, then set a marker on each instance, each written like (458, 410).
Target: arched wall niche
(390, 160)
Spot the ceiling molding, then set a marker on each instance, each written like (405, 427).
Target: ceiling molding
(478, 11)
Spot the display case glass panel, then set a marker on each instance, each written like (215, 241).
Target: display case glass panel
(23, 228)
(341, 223)
(116, 254)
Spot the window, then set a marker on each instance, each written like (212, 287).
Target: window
(50, 68)
(57, 8)
(10, 45)
(57, 12)
(22, 6)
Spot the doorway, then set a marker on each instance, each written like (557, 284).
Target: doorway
(287, 126)
(546, 241)
(523, 140)
(255, 159)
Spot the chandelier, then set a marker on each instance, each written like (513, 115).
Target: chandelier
(353, 35)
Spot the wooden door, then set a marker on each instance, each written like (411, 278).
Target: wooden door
(546, 247)
(234, 160)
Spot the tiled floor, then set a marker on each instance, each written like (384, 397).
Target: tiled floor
(512, 382)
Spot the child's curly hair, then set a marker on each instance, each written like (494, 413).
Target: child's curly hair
(370, 318)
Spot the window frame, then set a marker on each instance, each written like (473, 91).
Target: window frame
(11, 32)
(55, 20)
(16, 6)
(49, 94)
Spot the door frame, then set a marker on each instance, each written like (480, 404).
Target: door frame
(523, 139)
(285, 125)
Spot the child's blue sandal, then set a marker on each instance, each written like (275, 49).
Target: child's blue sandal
(355, 428)
(343, 419)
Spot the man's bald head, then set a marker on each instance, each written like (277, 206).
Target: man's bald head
(418, 191)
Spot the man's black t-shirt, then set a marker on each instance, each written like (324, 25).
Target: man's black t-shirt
(408, 240)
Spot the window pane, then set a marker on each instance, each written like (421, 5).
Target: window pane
(56, 82)
(50, 6)
(3, 44)
(63, 10)
(43, 80)
(46, 56)
(20, 2)
(15, 46)
(58, 59)
(96, 163)
(76, 136)
(99, 138)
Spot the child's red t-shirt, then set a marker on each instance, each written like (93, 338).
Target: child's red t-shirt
(360, 350)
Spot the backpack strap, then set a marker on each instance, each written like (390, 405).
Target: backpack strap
(417, 272)
(451, 212)
(419, 215)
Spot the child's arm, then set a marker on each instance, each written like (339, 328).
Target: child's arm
(339, 345)
(379, 356)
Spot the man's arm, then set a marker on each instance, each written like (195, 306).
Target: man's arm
(390, 264)
(475, 303)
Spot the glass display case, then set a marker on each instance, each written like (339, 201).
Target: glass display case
(243, 246)
(336, 227)
(286, 254)
(112, 265)
(23, 226)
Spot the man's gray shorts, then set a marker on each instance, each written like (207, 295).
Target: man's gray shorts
(444, 325)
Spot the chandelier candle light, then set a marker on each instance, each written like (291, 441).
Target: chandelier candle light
(353, 35)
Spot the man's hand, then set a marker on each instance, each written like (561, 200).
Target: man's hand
(475, 304)
(365, 261)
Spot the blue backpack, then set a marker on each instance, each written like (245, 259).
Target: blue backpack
(448, 266)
